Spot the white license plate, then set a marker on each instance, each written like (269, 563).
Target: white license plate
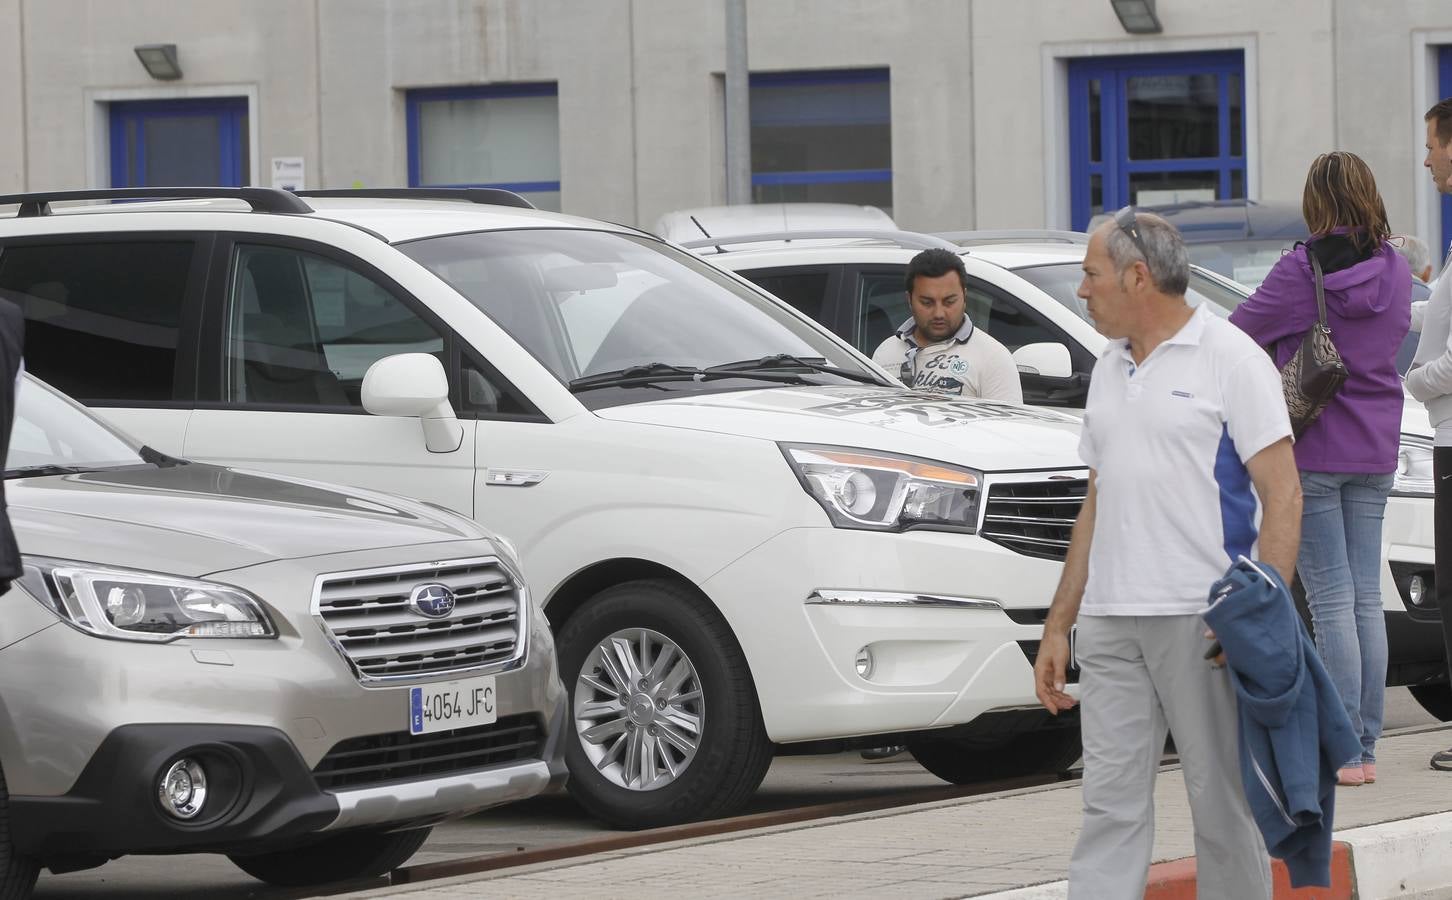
(453, 704)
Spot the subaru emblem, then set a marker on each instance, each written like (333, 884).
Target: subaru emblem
(433, 600)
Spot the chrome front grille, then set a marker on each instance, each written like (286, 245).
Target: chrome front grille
(1034, 518)
(368, 616)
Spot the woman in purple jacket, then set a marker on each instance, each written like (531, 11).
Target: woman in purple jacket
(1347, 457)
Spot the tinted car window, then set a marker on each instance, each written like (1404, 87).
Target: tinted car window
(303, 330)
(804, 291)
(102, 320)
(883, 304)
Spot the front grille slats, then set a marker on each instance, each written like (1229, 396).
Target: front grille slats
(424, 643)
(430, 662)
(400, 756)
(346, 624)
(397, 587)
(1034, 518)
(369, 618)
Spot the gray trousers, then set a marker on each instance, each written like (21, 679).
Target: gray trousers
(1139, 674)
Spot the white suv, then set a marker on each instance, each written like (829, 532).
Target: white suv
(746, 537)
(1022, 291)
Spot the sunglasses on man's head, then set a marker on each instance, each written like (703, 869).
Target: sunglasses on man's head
(1126, 222)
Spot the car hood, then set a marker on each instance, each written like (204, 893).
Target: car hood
(982, 434)
(195, 519)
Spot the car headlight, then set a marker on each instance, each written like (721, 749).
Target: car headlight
(143, 606)
(887, 492)
(1414, 467)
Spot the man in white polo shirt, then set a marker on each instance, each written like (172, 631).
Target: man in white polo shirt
(938, 349)
(1184, 416)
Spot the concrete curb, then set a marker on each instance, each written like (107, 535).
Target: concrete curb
(1405, 858)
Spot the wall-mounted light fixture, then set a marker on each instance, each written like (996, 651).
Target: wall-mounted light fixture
(1137, 16)
(160, 61)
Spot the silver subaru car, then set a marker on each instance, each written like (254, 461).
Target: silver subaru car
(302, 677)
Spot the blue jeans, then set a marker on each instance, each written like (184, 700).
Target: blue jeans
(1340, 567)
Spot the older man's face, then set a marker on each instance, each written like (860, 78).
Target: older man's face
(1103, 289)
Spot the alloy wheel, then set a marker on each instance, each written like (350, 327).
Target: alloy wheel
(639, 709)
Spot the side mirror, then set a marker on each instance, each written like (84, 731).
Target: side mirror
(414, 385)
(1048, 360)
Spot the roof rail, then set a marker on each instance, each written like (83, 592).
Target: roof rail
(267, 200)
(910, 240)
(491, 196)
(1013, 235)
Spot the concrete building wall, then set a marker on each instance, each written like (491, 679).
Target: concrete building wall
(977, 87)
(1020, 52)
(12, 96)
(1385, 82)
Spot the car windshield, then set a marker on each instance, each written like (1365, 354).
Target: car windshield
(592, 304)
(1061, 281)
(52, 435)
(1247, 262)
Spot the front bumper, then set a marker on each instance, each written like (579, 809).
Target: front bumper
(262, 795)
(1415, 653)
(934, 665)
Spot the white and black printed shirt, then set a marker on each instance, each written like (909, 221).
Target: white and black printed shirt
(969, 364)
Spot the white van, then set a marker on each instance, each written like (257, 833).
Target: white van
(747, 538)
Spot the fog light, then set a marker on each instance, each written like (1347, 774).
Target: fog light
(864, 662)
(183, 789)
(1417, 591)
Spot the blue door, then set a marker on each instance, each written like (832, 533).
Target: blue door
(170, 143)
(1155, 129)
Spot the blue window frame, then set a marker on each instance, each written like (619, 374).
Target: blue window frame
(822, 136)
(166, 143)
(1143, 129)
(498, 135)
(1444, 89)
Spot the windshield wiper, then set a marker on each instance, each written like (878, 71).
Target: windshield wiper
(786, 361)
(650, 374)
(641, 374)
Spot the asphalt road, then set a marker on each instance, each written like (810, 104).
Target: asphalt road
(543, 822)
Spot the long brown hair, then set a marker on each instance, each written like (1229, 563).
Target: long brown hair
(1341, 193)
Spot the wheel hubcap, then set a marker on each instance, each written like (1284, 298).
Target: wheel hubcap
(639, 710)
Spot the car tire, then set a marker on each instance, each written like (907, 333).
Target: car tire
(731, 752)
(1048, 752)
(353, 854)
(17, 873)
(1435, 699)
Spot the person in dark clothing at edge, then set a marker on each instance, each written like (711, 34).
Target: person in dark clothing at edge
(1348, 456)
(1430, 381)
(12, 343)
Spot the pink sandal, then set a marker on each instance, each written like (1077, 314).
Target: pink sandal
(1351, 776)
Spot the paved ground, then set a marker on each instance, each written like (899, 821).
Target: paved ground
(950, 849)
(794, 781)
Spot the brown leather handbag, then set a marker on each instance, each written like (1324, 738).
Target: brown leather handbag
(1312, 377)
